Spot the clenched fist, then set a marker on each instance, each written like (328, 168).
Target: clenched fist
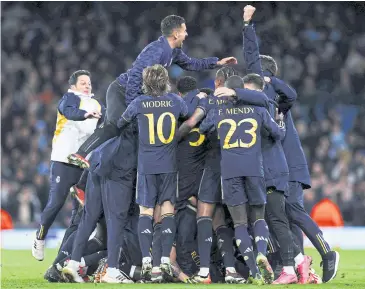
(248, 12)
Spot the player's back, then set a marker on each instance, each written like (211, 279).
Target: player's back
(239, 129)
(157, 122)
(192, 149)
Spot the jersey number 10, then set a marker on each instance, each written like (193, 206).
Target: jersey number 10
(160, 122)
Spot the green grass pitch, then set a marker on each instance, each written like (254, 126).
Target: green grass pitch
(20, 270)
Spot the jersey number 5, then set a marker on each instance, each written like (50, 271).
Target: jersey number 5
(200, 139)
(232, 129)
(160, 121)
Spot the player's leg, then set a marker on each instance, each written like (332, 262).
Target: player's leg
(115, 105)
(146, 196)
(156, 275)
(92, 213)
(256, 192)
(62, 177)
(235, 198)
(298, 216)
(209, 194)
(225, 237)
(168, 191)
(298, 236)
(117, 197)
(78, 190)
(278, 222)
(186, 254)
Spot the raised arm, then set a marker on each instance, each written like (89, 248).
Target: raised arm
(251, 52)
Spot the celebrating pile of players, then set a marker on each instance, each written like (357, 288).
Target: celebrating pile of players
(203, 186)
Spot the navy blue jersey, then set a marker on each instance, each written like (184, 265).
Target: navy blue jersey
(239, 130)
(159, 52)
(193, 149)
(157, 122)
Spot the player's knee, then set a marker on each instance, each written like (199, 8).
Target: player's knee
(205, 209)
(239, 215)
(167, 208)
(157, 214)
(110, 128)
(145, 211)
(257, 212)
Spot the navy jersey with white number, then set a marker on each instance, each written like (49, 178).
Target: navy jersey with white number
(239, 130)
(157, 122)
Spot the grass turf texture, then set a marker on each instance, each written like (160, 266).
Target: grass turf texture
(20, 270)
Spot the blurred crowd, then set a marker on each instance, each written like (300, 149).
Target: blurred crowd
(319, 47)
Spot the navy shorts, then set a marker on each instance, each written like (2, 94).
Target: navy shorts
(210, 187)
(240, 190)
(189, 185)
(295, 193)
(156, 189)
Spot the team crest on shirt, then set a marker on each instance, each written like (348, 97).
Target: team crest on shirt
(58, 179)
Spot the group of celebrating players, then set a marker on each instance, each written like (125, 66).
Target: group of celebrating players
(197, 187)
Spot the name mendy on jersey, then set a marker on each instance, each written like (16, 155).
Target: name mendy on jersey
(236, 110)
(157, 103)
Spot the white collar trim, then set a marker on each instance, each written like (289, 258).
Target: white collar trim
(80, 94)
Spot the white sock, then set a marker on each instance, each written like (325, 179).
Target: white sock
(82, 263)
(289, 269)
(165, 260)
(203, 271)
(112, 272)
(146, 260)
(133, 269)
(298, 259)
(231, 269)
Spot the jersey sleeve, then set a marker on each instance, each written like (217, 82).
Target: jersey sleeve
(130, 114)
(208, 123)
(277, 132)
(184, 112)
(69, 107)
(194, 64)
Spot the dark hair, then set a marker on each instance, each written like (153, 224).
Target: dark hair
(186, 84)
(155, 80)
(269, 64)
(234, 82)
(74, 76)
(171, 22)
(207, 90)
(225, 72)
(254, 79)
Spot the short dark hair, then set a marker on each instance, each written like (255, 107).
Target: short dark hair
(254, 79)
(155, 80)
(186, 84)
(207, 90)
(226, 72)
(234, 82)
(171, 22)
(269, 64)
(74, 76)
